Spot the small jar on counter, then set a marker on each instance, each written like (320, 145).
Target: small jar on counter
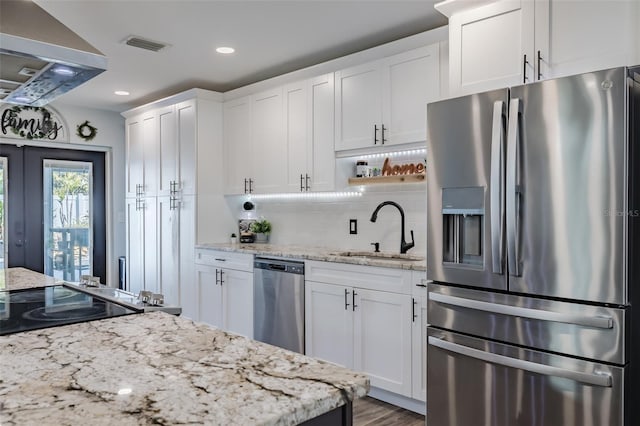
(362, 168)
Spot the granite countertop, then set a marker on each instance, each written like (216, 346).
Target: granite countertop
(20, 278)
(155, 368)
(316, 253)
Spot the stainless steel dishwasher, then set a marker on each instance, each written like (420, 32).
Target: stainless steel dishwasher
(278, 303)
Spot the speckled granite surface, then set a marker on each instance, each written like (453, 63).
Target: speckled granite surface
(315, 253)
(19, 278)
(156, 368)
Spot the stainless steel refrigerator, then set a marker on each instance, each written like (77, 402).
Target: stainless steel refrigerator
(533, 254)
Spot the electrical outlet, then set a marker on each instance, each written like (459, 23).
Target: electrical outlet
(353, 226)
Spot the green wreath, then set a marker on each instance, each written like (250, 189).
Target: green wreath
(86, 131)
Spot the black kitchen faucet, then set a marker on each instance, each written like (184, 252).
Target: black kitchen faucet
(404, 246)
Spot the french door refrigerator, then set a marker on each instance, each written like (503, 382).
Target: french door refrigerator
(533, 254)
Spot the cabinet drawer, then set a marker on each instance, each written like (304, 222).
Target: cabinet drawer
(369, 277)
(225, 259)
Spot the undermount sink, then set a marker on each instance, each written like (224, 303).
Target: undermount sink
(381, 256)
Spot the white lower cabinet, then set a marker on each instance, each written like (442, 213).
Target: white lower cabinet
(419, 337)
(221, 296)
(361, 328)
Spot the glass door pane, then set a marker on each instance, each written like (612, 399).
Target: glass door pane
(68, 223)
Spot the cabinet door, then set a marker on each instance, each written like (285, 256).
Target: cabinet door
(134, 247)
(151, 153)
(576, 37)
(358, 107)
(410, 81)
(268, 143)
(298, 145)
(167, 148)
(320, 133)
(237, 301)
(135, 155)
(382, 339)
(150, 241)
(329, 323)
(487, 47)
(187, 136)
(168, 250)
(419, 347)
(208, 297)
(187, 241)
(237, 144)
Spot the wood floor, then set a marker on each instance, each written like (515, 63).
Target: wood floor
(369, 412)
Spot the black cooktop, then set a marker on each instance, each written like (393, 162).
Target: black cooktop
(35, 308)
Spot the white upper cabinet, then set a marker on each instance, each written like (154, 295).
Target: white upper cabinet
(135, 156)
(237, 144)
(187, 135)
(309, 134)
(410, 81)
(359, 106)
(168, 150)
(512, 42)
(384, 102)
(267, 142)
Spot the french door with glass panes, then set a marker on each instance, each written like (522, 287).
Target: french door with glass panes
(53, 201)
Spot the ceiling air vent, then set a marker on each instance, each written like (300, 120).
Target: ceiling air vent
(144, 43)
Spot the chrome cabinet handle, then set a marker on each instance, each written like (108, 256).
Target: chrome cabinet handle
(353, 300)
(497, 185)
(306, 181)
(221, 280)
(217, 276)
(383, 138)
(513, 192)
(301, 184)
(413, 309)
(375, 134)
(250, 186)
(595, 379)
(529, 313)
(524, 69)
(346, 299)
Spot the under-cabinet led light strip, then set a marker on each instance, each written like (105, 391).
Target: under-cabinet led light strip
(394, 153)
(304, 195)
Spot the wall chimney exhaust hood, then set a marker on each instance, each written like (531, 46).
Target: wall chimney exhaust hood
(40, 58)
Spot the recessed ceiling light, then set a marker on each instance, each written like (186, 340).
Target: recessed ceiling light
(67, 72)
(225, 50)
(121, 93)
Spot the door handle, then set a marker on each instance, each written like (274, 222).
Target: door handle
(375, 134)
(539, 61)
(301, 184)
(306, 180)
(524, 70)
(383, 138)
(528, 313)
(513, 192)
(245, 185)
(497, 185)
(221, 280)
(353, 300)
(217, 276)
(346, 299)
(595, 379)
(250, 186)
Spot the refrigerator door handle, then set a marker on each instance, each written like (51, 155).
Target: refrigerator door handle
(595, 379)
(516, 311)
(497, 185)
(513, 196)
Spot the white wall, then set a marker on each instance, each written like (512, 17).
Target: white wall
(111, 139)
(325, 223)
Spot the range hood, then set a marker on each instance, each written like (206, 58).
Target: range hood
(40, 58)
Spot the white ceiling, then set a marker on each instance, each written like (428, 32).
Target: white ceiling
(270, 38)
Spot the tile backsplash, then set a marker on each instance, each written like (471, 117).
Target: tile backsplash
(325, 222)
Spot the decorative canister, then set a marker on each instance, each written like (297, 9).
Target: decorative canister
(362, 168)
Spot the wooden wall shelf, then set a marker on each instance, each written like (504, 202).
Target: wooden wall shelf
(387, 179)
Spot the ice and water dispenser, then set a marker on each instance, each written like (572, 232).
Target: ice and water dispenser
(463, 225)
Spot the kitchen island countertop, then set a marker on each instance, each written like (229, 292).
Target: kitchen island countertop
(314, 253)
(155, 368)
(21, 278)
